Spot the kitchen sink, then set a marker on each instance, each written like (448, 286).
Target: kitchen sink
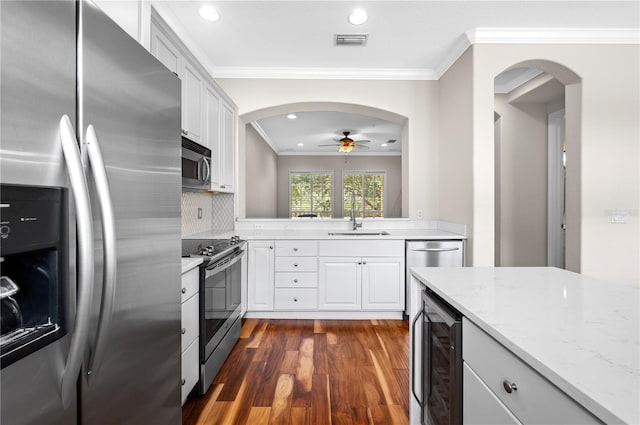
(356, 233)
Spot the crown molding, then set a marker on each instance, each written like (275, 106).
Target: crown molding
(554, 36)
(298, 73)
(265, 137)
(336, 153)
(460, 46)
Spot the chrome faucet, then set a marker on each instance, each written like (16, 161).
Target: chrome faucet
(356, 225)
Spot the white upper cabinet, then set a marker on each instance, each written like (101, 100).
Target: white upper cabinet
(192, 89)
(209, 116)
(164, 49)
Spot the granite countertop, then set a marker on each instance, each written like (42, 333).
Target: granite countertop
(190, 263)
(582, 334)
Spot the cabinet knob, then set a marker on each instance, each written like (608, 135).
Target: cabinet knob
(509, 387)
(295, 264)
(295, 280)
(359, 262)
(184, 381)
(295, 299)
(270, 247)
(295, 249)
(364, 262)
(183, 290)
(222, 186)
(184, 331)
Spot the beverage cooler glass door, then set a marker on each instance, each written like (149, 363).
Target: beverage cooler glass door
(442, 363)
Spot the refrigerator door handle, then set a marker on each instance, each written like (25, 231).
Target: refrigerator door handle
(85, 266)
(109, 253)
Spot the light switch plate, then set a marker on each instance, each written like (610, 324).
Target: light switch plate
(619, 216)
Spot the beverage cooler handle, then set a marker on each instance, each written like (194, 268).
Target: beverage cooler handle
(109, 253)
(413, 358)
(84, 235)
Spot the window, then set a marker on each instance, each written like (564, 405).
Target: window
(368, 189)
(310, 194)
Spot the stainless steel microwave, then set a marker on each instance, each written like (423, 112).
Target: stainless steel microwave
(196, 166)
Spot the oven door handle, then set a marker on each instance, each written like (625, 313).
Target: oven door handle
(215, 270)
(413, 358)
(109, 254)
(85, 265)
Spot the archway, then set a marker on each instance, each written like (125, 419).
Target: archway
(245, 130)
(537, 194)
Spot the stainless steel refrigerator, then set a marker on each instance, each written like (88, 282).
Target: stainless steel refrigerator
(87, 111)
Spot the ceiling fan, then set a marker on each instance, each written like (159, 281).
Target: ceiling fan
(346, 144)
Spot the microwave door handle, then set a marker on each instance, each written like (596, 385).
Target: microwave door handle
(109, 252)
(206, 177)
(85, 266)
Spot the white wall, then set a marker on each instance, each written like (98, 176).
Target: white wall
(337, 164)
(415, 100)
(602, 169)
(261, 176)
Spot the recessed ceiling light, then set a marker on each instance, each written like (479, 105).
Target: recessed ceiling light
(209, 13)
(292, 116)
(358, 17)
(383, 145)
(300, 144)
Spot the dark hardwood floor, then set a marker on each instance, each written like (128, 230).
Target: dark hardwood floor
(310, 372)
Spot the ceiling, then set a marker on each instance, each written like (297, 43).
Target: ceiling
(323, 128)
(406, 40)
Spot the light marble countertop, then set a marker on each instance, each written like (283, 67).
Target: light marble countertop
(394, 234)
(582, 334)
(190, 263)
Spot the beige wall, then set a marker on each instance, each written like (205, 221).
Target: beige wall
(455, 148)
(603, 152)
(521, 161)
(261, 176)
(337, 164)
(415, 100)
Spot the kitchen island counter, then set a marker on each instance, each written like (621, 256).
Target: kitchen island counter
(580, 333)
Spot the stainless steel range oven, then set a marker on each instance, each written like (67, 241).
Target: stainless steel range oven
(220, 301)
(441, 385)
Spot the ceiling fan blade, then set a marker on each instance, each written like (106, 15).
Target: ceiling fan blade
(361, 147)
(363, 141)
(337, 144)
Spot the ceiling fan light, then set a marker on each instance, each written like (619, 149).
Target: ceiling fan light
(209, 13)
(358, 17)
(345, 148)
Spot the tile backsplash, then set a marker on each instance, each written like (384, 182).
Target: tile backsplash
(217, 212)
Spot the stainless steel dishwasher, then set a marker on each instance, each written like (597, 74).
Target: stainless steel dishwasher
(432, 253)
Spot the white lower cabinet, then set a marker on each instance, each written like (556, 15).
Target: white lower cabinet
(340, 283)
(260, 277)
(382, 283)
(190, 329)
(516, 387)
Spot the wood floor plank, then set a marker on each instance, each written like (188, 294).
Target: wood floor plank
(310, 372)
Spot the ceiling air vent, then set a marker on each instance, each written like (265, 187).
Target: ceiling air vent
(351, 39)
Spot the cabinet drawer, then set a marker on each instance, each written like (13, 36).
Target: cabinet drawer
(296, 280)
(296, 248)
(536, 400)
(190, 369)
(296, 264)
(189, 285)
(190, 321)
(296, 299)
(481, 406)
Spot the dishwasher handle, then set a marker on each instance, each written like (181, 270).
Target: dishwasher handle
(435, 249)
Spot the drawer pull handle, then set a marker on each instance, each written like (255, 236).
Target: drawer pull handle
(295, 249)
(183, 290)
(295, 300)
(271, 247)
(295, 280)
(509, 387)
(184, 331)
(184, 381)
(295, 264)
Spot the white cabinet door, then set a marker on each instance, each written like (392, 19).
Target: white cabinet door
(382, 283)
(339, 283)
(212, 131)
(228, 151)
(192, 89)
(480, 404)
(165, 50)
(260, 276)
